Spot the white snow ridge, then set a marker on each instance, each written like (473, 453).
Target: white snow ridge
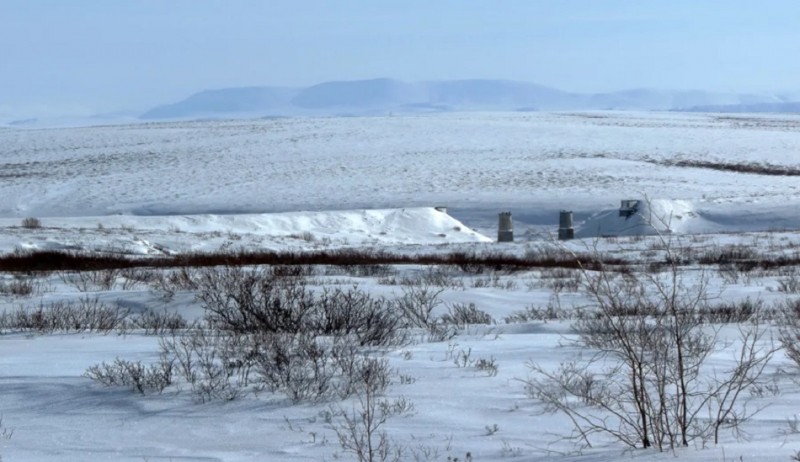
(643, 217)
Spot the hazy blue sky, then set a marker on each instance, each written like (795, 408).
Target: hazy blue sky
(100, 55)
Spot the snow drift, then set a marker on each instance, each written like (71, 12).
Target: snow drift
(274, 231)
(643, 217)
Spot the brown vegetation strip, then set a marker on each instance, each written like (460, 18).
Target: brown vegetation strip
(469, 262)
(748, 168)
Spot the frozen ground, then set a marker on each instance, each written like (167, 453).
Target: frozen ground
(477, 164)
(58, 414)
(152, 189)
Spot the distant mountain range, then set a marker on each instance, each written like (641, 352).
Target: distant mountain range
(382, 96)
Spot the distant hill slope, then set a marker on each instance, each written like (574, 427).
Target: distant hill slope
(376, 93)
(376, 96)
(225, 101)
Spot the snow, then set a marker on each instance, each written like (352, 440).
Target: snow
(647, 217)
(275, 231)
(476, 164)
(305, 184)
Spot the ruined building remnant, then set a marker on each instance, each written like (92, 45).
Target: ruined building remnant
(505, 230)
(628, 207)
(565, 230)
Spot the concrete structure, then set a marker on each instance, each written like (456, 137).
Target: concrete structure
(565, 229)
(505, 230)
(628, 207)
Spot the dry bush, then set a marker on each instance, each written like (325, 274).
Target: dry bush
(274, 301)
(254, 300)
(5, 432)
(89, 281)
(157, 323)
(170, 281)
(561, 279)
(84, 315)
(552, 312)
(462, 315)
(215, 364)
(417, 305)
(488, 366)
(135, 277)
(301, 366)
(433, 276)
(135, 375)
(373, 321)
(732, 312)
(790, 329)
(31, 223)
(646, 381)
(361, 431)
(790, 283)
(360, 271)
(729, 254)
(21, 286)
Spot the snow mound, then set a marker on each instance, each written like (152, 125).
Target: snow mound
(272, 231)
(642, 217)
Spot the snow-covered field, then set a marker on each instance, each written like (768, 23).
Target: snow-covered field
(311, 184)
(477, 164)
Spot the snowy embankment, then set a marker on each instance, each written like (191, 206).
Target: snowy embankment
(274, 231)
(662, 216)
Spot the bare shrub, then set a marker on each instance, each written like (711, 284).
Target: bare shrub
(731, 312)
(461, 315)
(551, 312)
(790, 284)
(20, 286)
(646, 382)
(354, 312)
(728, 254)
(296, 364)
(733, 273)
(361, 431)
(135, 277)
(84, 315)
(561, 279)
(270, 301)
(790, 329)
(215, 364)
(135, 375)
(487, 365)
(439, 276)
(303, 366)
(417, 305)
(87, 281)
(168, 282)
(31, 223)
(440, 332)
(258, 300)
(5, 432)
(361, 271)
(433, 276)
(157, 322)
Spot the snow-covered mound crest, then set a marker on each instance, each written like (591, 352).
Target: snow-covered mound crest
(270, 231)
(642, 217)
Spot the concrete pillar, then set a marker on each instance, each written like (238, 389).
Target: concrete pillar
(505, 230)
(565, 230)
